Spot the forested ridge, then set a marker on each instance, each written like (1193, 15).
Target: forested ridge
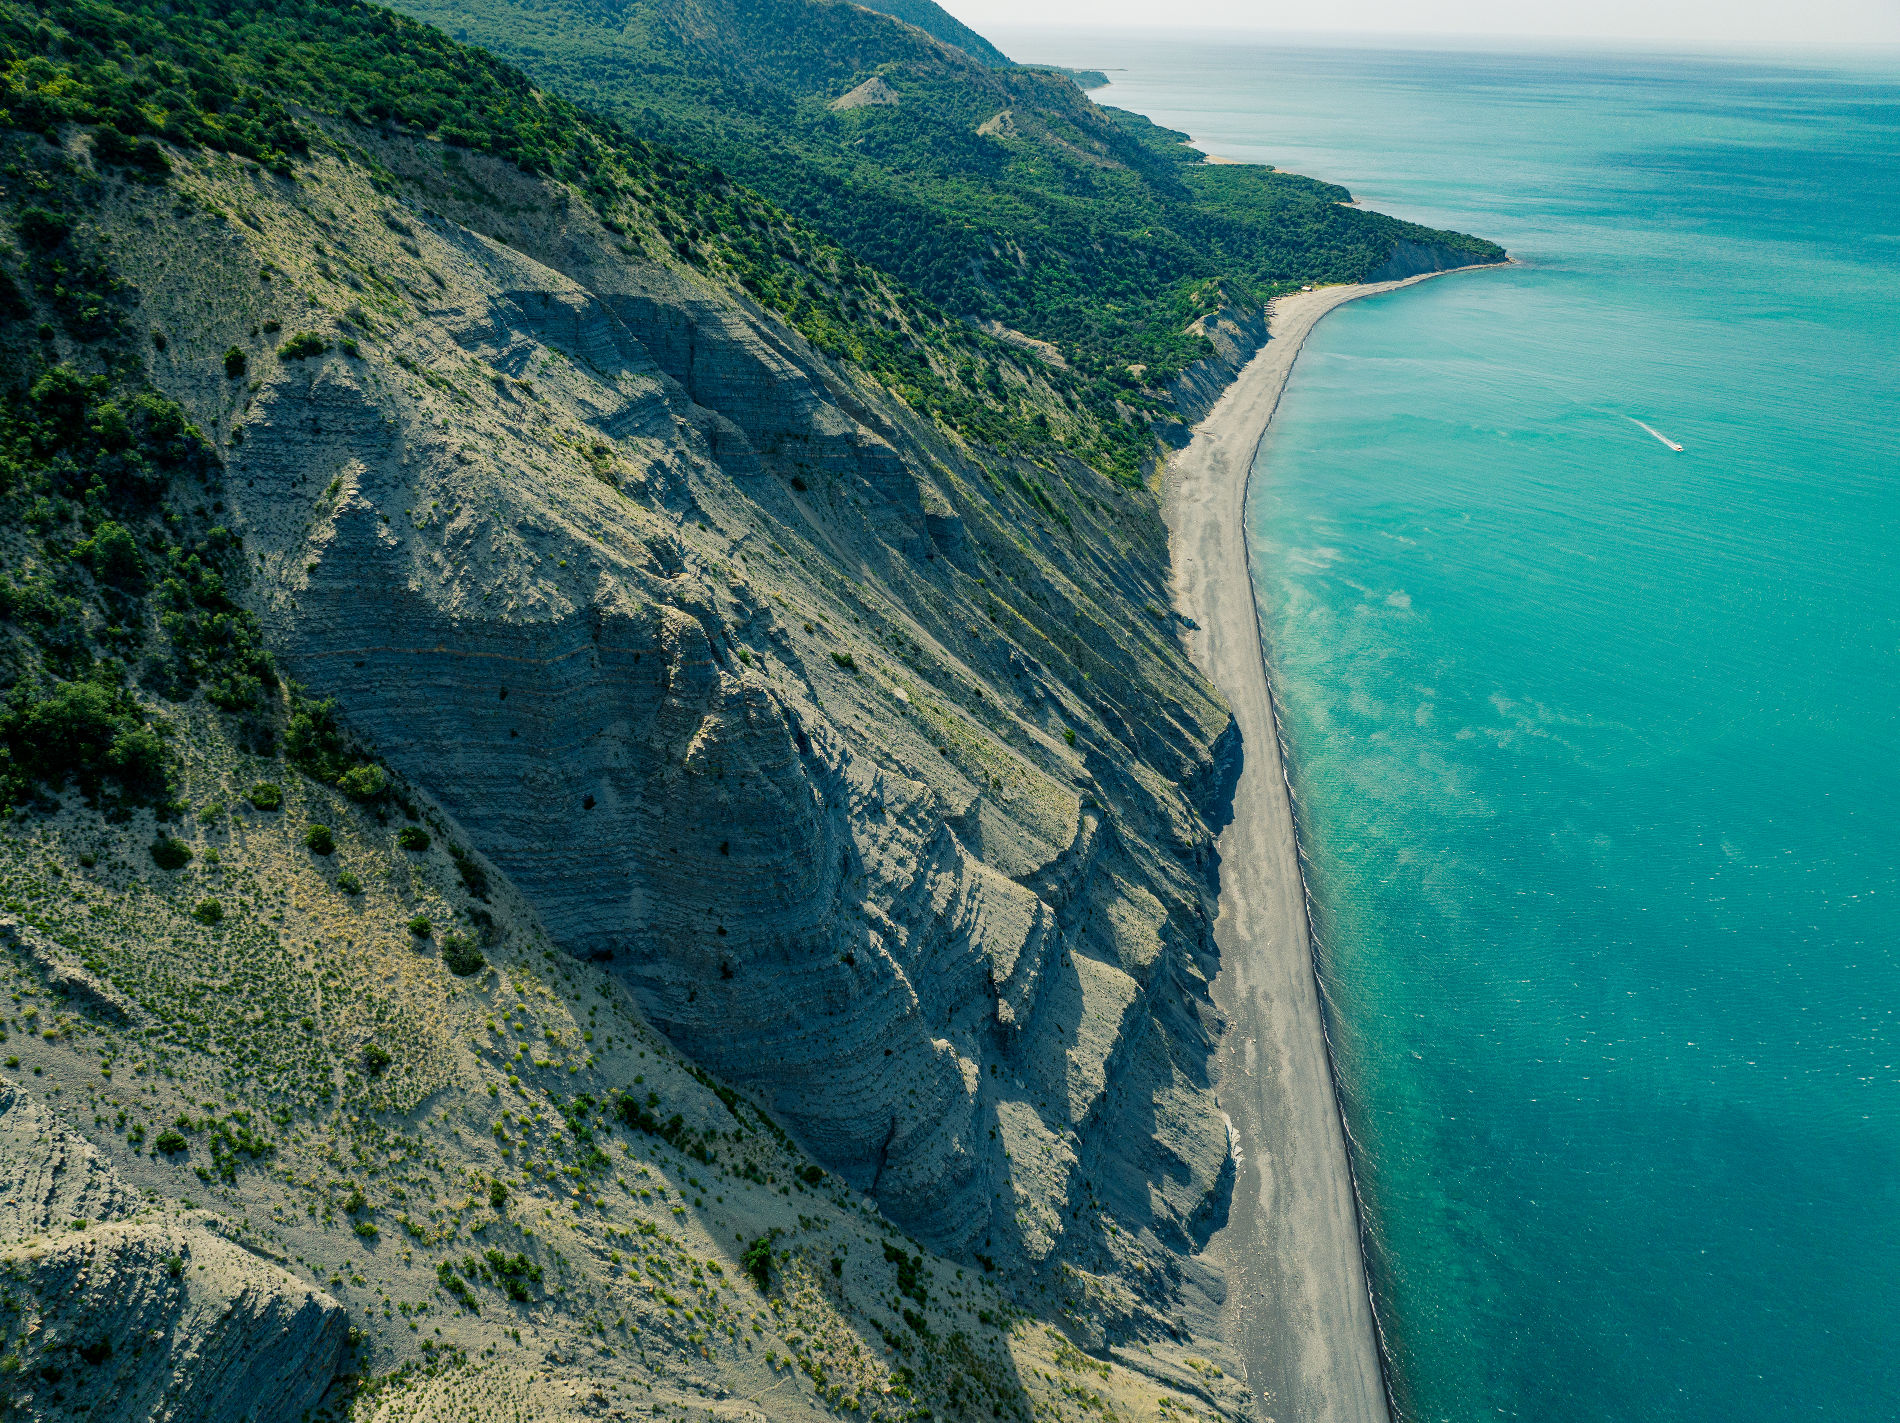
(1002, 194)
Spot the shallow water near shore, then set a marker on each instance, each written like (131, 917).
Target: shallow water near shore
(1595, 742)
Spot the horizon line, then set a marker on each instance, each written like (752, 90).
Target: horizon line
(1690, 44)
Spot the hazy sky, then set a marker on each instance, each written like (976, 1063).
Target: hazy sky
(1713, 22)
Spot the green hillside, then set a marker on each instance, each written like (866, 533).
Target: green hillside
(934, 20)
(1000, 194)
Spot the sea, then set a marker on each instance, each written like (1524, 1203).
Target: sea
(1596, 741)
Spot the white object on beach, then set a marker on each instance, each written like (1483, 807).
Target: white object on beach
(1657, 433)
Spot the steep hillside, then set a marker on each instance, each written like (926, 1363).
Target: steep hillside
(1002, 195)
(719, 920)
(939, 23)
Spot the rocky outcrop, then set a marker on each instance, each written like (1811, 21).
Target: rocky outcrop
(70, 980)
(1235, 334)
(1411, 259)
(114, 1315)
(872, 93)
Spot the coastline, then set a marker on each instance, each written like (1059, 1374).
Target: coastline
(1298, 1308)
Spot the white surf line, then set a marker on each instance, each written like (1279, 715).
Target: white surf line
(1657, 433)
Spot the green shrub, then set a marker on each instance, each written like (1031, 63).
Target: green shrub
(845, 660)
(80, 731)
(235, 363)
(349, 883)
(267, 795)
(497, 1195)
(319, 841)
(171, 1141)
(413, 837)
(209, 911)
(474, 877)
(367, 1229)
(170, 853)
(363, 783)
(515, 1273)
(909, 1272)
(114, 556)
(461, 957)
(314, 741)
(757, 1262)
(301, 346)
(456, 1286)
(377, 1059)
(420, 927)
(43, 230)
(109, 145)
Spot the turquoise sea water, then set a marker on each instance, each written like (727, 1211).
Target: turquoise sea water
(1596, 743)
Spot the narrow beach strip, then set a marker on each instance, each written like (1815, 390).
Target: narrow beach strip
(1299, 1310)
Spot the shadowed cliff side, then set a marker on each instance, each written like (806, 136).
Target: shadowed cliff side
(865, 758)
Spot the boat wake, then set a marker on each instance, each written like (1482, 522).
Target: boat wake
(1657, 433)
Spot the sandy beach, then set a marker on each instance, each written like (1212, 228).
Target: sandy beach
(1298, 1310)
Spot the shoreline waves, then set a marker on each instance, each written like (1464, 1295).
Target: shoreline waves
(1299, 1308)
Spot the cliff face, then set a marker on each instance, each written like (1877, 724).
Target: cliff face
(1235, 333)
(140, 1312)
(870, 763)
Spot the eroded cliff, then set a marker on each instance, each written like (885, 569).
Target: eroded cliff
(860, 761)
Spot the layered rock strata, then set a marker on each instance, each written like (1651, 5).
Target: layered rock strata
(869, 760)
(116, 1310)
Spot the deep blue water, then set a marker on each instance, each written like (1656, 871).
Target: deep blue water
(1596, 743)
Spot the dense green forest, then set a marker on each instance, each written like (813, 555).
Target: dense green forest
(999, 193)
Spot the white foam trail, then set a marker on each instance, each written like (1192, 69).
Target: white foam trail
(1657, 433)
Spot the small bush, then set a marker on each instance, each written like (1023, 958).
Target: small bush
(461, 956)
(757, 1262)
(43, 230)
(209, 911)
(267, 795)
(1068, 735)
(170, 853)
(235, 363)
(319, 841)
(301, 346)
(413, 837)
(845, 660)
(515, 1273)
(349, 883)
(497, 1195)
(114, 555)
(367, 1229)
(363, 783)
(474, 877)
(456, 1286)
(377, 1059)
(171, 1141)
(110, 145)
(421, 927)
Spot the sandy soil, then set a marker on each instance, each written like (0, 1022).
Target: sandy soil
(1298, 1310)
